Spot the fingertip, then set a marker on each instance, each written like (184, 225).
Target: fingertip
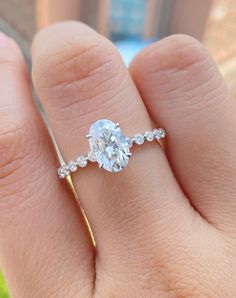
(174, 53)
(7, 43)
(10, 52)
(181, 50)
(61, 32)
(3, 40)
(181, 67)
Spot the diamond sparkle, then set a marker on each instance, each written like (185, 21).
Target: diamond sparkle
(109, 146)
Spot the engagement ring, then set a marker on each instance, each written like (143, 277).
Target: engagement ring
(109, 147)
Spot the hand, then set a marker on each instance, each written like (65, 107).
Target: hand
(166, 225)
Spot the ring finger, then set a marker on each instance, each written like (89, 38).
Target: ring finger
(80, 78)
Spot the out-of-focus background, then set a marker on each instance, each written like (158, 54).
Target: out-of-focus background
(131, 24)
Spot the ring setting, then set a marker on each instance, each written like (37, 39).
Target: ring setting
(109, 147)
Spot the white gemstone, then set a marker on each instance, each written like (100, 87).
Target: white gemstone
(63, 172)
(109, 145)
(82, 161)
(149, 136)
(91, 156)
(159, 133)
(139, 139)
(72, 166)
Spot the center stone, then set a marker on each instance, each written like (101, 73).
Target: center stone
(109, 145)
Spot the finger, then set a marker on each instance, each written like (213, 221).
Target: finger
(45, 250)
(182, 88)
(80, 78)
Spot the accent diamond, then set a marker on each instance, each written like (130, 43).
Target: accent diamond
(82, 161)
(72, 166)
(159, 133)
(109, 145)
(91, 157)
(63, 172)
(139, 139)
(149, 136)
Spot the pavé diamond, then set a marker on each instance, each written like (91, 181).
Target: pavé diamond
(109, 145)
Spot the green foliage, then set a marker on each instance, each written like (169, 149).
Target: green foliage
(3, 288)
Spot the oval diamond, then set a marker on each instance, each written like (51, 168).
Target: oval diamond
(109, 145)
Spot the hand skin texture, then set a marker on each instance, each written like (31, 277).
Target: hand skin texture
(166, 225)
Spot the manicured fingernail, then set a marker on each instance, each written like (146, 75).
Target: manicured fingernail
(3, 40)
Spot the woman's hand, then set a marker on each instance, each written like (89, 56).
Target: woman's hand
(166, 225)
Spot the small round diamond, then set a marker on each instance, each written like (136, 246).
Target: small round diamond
(63, 172)
(159, 133)
(149, 136)
(139, 139)
(72, 166)
(91, 156)
(130, 142)
(82, 161)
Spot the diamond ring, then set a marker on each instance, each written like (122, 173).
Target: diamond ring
(109, 147)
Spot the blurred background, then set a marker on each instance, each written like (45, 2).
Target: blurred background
(131, 25)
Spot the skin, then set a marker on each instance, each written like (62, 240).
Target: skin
(166, 225)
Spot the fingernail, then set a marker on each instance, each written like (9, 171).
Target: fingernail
(3, 40)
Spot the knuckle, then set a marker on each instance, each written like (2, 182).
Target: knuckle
(16, 150)
(199, 81)
(187, 76)
(175, 52)
(76, 67)
(9, 144)
(22, 168)
(186, 51)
